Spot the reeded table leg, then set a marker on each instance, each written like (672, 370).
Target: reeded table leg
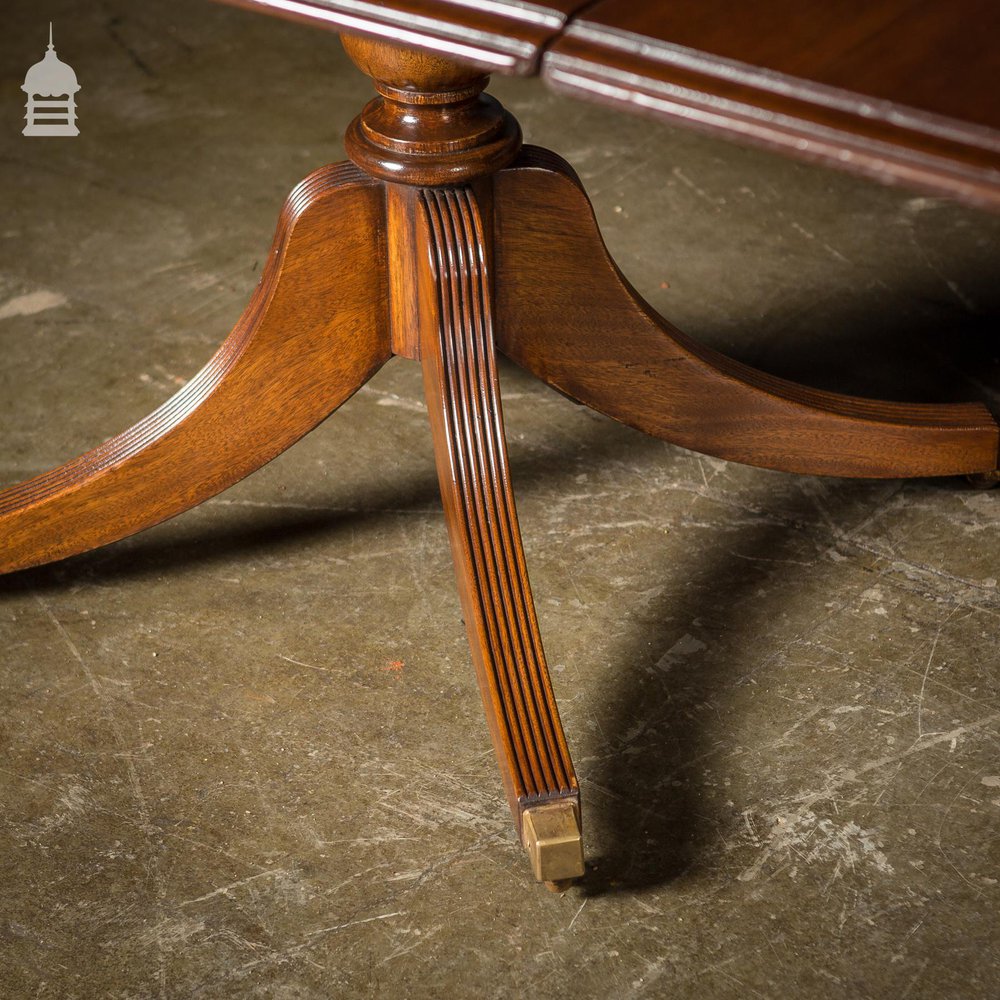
(460, 381)
(463, 398)
(435, 140)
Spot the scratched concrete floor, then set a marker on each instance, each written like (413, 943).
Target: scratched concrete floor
(243, 754)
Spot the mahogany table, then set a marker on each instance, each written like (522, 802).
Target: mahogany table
(444, 240)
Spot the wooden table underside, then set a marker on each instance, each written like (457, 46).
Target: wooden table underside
(904, 91)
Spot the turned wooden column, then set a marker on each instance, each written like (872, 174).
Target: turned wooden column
(436, 141)
(431, 123)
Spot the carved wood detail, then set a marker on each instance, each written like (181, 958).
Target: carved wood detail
(460, 380)
(902, 91)
(571, 318)
(399, 260)
(431, 123)
(313, 333)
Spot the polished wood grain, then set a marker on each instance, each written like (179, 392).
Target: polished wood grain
(570, 317)
(900, 90)
(498, 36)
(460, 381)
(313, 333)
(431, 124)
(396, 255)
(938, 58)
(903, 91)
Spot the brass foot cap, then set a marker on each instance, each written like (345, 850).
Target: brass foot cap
(552, 837)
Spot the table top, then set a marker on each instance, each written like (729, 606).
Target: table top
(902, 90)
(498, 36)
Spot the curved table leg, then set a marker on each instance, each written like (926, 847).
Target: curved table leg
(566, 314)
(460, 380)
(313, 333)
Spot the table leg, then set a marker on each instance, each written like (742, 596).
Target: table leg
(314, 332)
(567, 314)
(463, 398)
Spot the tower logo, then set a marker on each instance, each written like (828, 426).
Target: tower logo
(51, 86)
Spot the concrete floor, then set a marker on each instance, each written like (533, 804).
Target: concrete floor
(243, 753)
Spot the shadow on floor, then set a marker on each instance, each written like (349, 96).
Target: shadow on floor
(659, 824)
(152, 553)
(648, 793)
(925, 350)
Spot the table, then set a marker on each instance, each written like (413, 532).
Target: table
(444, 240)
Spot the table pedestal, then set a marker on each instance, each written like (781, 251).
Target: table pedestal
(443, 242)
